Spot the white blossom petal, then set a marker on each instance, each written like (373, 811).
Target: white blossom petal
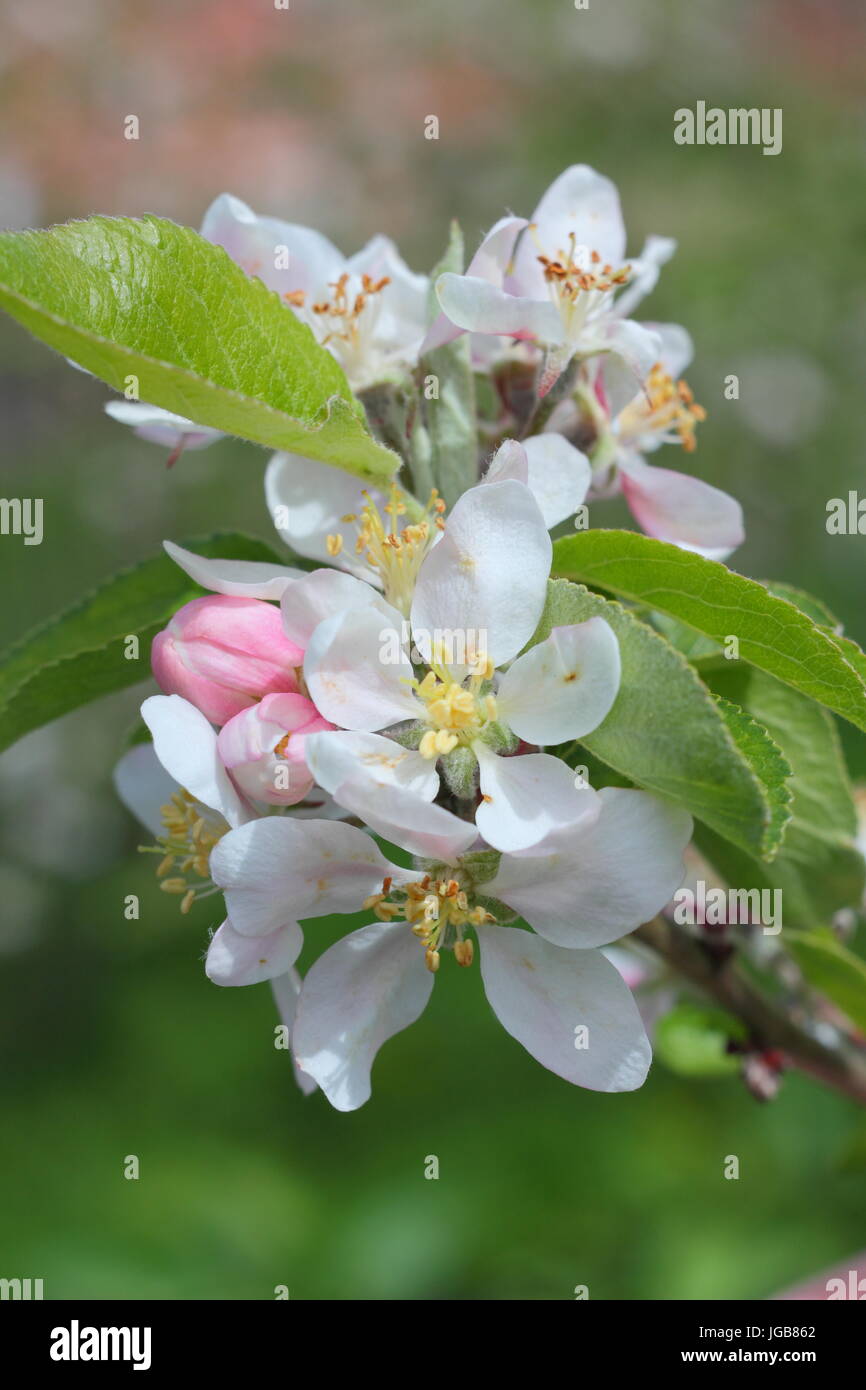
(307, 501)
(569, 1009)
(233, 959)
(525, 798)
(638, 346)
(582, 204)
(402, 315)
(358, 673)
(282, 255)
(307, 868)
(563, 687)
(490, 262)
(311, 598)
(362, 991)
(159, 426)
(407, 819)
(237, 578)
(144, 786)
(487, 577)
(557, 474)
(186, 745)
(286, 989)
(591, 884)
(656, 252)
(479, 307)
(677, 348)
(334, 758)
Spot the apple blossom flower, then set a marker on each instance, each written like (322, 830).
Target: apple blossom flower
(307, 500)
(549, 987)
(224, 653)
(179, 789)
(262, 747)
(369, 309)
(669, 505)
(561, 280)
(468, 610)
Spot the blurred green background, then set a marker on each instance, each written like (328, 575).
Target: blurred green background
(113, 1042)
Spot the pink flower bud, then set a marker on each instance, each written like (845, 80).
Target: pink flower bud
(223, 653)
(263, 748)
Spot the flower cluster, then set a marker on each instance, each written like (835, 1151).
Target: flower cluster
(381, 724)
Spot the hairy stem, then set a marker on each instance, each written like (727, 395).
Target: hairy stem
(842, 1067)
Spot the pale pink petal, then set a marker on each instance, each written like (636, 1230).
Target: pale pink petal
(681, 509)
(282, 866)
(159, 426)
(233, 959)
(646, 267)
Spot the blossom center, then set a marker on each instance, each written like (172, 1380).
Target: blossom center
(666, 407)
(185, 848)
(457, 711)
(437, 909)
(346, 320)
(395, 552)
(579, 280)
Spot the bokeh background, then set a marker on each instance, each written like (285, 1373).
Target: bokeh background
(113, 1042)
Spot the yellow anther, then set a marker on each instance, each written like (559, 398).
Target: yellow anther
(186, 844)
(334, 544)
(437, 912)
(464, 952)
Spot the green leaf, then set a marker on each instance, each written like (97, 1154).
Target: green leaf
(450, 418)
(149, 299)
(818, 867)
(668, 733)
(773, 633)
(766, 760)
(692, 1041)
(834, 970)
(80, 655)
(813, 607)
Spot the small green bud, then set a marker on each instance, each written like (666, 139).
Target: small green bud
(460, 771)
(499, 738)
